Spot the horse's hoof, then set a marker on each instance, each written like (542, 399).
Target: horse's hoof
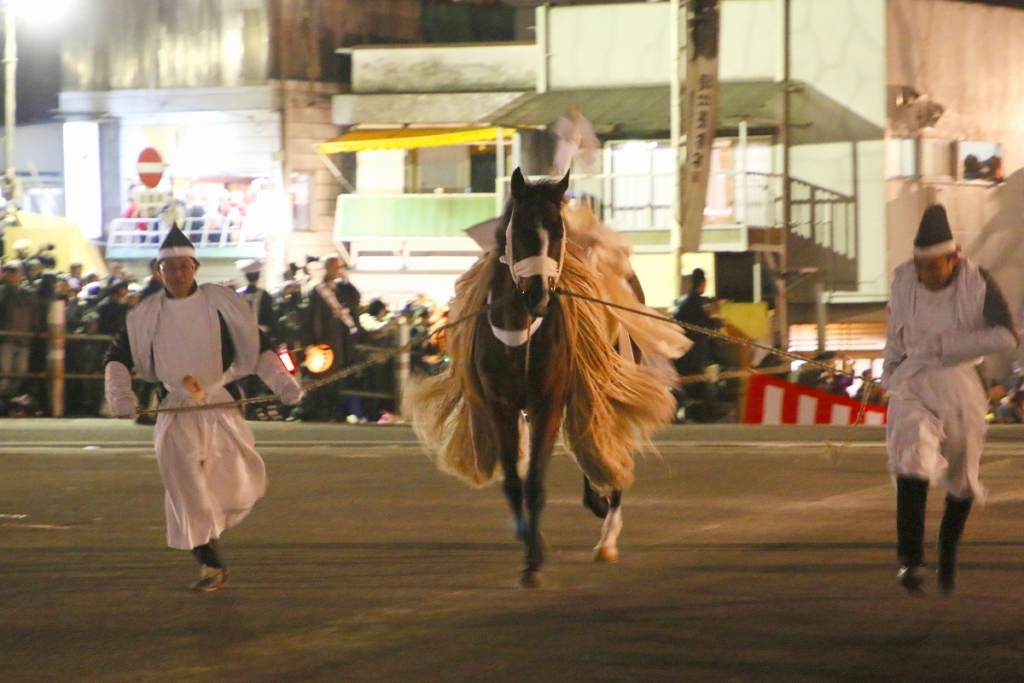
(531, 579)
(606, 554)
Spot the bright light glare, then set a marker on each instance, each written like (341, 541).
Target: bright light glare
(40, 12)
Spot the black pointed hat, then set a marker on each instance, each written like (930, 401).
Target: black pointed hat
(176, 244)
(934, 237)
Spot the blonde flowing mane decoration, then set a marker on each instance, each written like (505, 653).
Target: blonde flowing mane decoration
(613, 405)
(608, 253)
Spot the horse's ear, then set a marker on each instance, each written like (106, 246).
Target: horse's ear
(518, 184)
(563, 185)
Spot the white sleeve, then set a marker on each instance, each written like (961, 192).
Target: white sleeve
(895, 351)
(281, 382)
(118, 389)
(963, 345)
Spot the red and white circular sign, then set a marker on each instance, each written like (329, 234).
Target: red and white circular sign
(151, 167)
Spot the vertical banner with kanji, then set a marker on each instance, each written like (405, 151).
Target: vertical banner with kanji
(701, 114)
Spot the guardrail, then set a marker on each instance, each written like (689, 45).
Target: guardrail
(386, 384)
(212, 232)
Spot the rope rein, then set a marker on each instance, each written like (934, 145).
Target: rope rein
(712, 333)
(374, 359)
(736, 374)
(384, 356)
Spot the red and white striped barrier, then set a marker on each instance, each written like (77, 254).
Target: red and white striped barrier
(772, 401)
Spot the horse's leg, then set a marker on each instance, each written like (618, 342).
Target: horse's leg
(607, 549)
(593, 500)
(544, 426)
(509, 424)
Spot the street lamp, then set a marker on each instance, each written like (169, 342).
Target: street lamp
(10, 106)
(36, 11)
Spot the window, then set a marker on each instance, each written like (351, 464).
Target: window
(642, 182)
(901, 158)
(982, 161)
(442, 169)
(938, 158)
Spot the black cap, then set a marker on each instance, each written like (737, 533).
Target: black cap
(934, 228)
(176, 244)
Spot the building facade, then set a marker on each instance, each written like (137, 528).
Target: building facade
(853, 110)
(232, 95)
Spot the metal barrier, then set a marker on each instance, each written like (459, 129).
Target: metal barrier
(204, 232)
(57, 338)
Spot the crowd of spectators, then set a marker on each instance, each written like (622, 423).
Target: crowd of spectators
(296, 316)
(96, 307)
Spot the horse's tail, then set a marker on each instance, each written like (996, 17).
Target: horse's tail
(614, 406)
(448, 411)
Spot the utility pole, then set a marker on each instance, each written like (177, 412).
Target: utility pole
(699, 116)
(781, 295)
(10, 109)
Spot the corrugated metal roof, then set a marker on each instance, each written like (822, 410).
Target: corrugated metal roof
(814, 116)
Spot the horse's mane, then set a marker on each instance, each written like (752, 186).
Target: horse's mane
(449, 412)
(613, 406)
(611, 411)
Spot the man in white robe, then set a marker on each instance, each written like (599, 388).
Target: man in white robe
(197, 340)
(946, 313)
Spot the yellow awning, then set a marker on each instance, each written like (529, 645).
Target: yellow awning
(411, 138)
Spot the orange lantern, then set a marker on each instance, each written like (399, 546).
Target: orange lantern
(319, 358)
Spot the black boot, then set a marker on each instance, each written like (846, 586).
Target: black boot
(952, 527)
(212, 572)
(911, 501)
(209, 554)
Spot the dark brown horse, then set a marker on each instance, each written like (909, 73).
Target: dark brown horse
(522, 360)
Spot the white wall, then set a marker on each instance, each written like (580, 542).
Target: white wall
(751, 40)
(839, 47)
(380, 171)
(608, 45)
(967, 57)
(444, 68)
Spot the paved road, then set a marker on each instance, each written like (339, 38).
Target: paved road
(745, 558)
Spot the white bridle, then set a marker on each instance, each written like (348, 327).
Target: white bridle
(541, 264)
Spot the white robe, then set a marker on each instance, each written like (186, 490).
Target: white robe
(211, 471)
(936, 421)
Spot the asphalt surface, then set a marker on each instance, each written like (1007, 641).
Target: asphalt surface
(747, 555)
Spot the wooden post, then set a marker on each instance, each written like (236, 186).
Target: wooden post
(741, 399)
(55, 357)
(404, 365)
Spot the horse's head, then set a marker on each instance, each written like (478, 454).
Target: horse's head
(533, 242)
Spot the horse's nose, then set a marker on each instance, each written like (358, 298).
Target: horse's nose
(536, 297)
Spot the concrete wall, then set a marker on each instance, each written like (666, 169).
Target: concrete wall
(607, 45)
(751, 40)
(966, 57)
(446, 68)
(307, 122)
(838, 46)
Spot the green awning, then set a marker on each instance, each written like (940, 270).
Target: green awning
(366, 216)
